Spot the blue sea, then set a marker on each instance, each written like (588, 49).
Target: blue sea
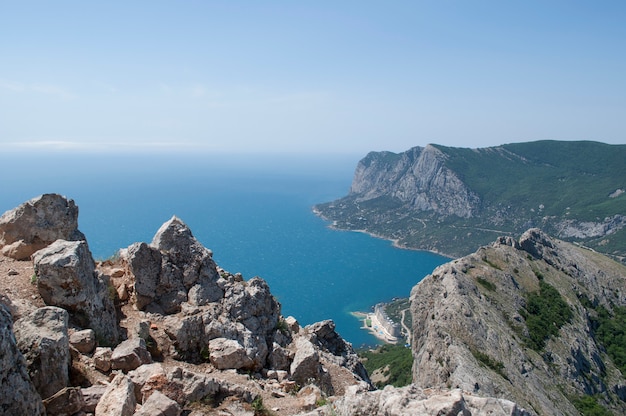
(253, 212)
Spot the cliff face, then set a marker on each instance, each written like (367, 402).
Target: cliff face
(417, 178)
(475, 327)
(451, 200)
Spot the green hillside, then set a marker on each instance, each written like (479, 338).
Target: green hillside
(571, 190)
(563, 176)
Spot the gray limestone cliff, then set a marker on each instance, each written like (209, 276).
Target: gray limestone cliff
(418, 178)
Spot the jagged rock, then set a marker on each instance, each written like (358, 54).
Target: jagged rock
(18, 395)
(306, 363)
(118, 399)
(292, 325)
(42, 338)
(175, 268)
(130, 354)
(335, 349)
(411, 400)
(280, 358)
(177, 276)
(140, 376)
(159, 404)
(102, 358)
(65, 402)
(84, 341)
(187, 333)
(37, 223)
(536, 243)
(228, 353)
(66, 278)
(91, 397)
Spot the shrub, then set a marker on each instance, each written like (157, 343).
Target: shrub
(545, 313)
(399, 359)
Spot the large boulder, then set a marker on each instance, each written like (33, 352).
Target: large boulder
(228, 353)
(65, 402)
(67, 278)
(42, 338)
(306, 363)
(118, 399)
(159, 404)
(38, 223)
(130, 354)
(18, 395)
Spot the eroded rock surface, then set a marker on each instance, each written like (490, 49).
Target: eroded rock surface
(18, 395)
(43, 340)
(67, 278)
(38, 223)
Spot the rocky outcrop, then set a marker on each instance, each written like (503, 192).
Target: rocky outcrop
(418, 178)
(18, 395)
(38, 223)
(130, 354)
(177, 303)
(471, 330)
(67, 278)
(43, 340)
(412, 400)
(174, 269)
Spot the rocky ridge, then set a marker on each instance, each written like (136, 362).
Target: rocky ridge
(163, 330)
(471, 330)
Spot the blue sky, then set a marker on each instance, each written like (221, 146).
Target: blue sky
(308, 76)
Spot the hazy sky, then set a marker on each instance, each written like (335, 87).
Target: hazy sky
(309, 76)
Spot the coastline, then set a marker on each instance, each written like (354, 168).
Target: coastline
(375, 327)
(394, 241)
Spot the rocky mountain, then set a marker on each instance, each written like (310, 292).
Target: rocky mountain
(537, 321)
(162, 330)
(451, 200)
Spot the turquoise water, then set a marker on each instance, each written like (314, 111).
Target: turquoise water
(254, 214)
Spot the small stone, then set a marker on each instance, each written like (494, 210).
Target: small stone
(13, 272)
(84, 341)
(102, 358)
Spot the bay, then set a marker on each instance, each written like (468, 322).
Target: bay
(254, 213)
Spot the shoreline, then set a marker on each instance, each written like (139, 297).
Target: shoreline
(394, 241)
(376, 329)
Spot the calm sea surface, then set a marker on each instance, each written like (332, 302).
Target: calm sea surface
(254, 213)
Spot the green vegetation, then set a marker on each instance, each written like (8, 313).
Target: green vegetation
(610, 331)
(399, 360)
(553, 172)
(545, 313)
(519, 186)
(259, 408)
(486, 284)
(33, 279)
(589, 406)
(489, 362)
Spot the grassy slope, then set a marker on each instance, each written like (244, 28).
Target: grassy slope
(560, 175)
